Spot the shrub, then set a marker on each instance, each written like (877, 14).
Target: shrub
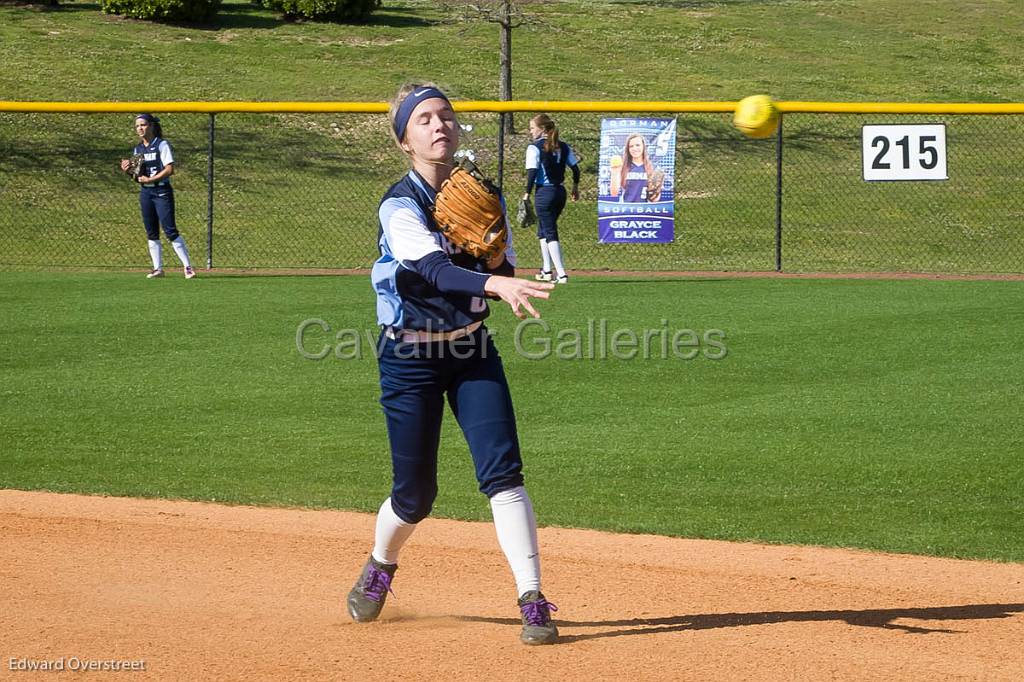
(189, 11)
(324, 10)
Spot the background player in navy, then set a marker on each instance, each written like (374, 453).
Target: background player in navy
(636, 168)
(156, 198)
(431, 303)
(546, 159)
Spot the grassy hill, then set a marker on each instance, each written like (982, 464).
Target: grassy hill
(930, 50)
(301, 190)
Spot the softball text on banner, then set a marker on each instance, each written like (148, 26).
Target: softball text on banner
(636, 186)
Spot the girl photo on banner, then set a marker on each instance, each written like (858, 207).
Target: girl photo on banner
(636, 188)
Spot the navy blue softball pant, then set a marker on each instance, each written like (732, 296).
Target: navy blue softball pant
(549, 204)
(414, 380)
(157, 204)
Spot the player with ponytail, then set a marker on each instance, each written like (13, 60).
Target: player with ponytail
(156, 196)
(546, 159)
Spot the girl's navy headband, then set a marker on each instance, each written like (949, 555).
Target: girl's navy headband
(411, 101)
(148, 118)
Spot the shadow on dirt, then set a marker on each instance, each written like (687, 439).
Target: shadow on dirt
(874, 618)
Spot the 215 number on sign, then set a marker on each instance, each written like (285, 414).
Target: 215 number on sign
(904, 152)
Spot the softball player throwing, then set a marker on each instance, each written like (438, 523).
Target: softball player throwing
(431, 304)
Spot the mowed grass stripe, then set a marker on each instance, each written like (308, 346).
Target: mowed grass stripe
(877, 414)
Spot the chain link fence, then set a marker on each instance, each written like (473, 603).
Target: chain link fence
(301, 191)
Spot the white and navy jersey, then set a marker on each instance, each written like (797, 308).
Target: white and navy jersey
(636, 184)
(550, 165)
(157, 155)
(423, 282)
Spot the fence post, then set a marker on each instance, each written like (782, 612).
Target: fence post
(209, 195)
(778, 196)
(501, 150)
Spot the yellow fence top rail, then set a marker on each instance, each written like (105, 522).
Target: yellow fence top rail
(899, 108)
(515, 106)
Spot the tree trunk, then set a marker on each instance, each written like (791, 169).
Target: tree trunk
(505, 81)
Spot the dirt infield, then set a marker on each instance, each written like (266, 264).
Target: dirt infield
(202, 591)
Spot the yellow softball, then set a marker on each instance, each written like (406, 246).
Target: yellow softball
(756, 116)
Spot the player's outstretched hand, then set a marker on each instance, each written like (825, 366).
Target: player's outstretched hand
(517, 293)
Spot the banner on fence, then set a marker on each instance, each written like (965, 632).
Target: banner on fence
(636, 186)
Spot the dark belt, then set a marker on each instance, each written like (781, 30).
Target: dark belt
(413, 336)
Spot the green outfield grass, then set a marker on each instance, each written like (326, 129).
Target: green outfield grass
(875, 414)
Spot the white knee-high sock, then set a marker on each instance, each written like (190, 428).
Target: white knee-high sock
(156, 253)
(182, 251)
(545, 255)
(391, 534)
(556, 255)
(516, 526)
